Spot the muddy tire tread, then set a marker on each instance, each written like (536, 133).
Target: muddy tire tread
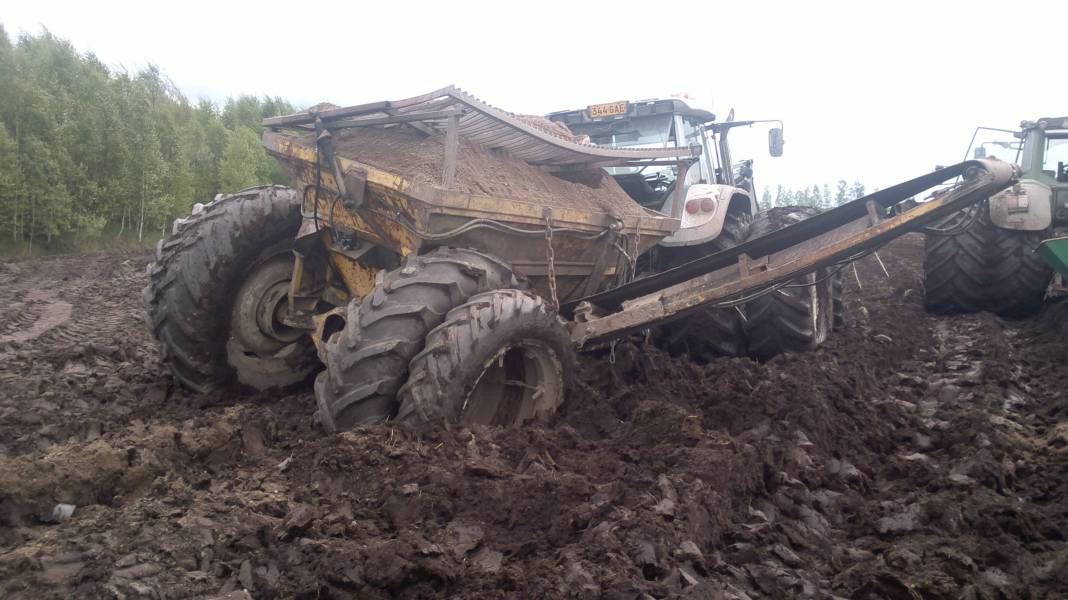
(780, 321)
(455, 351)
(985, 268)
(722, 330)
(367, 361)
(191, 282)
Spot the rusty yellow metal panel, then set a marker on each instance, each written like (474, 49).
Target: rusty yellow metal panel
(359, 279)
(404, 215)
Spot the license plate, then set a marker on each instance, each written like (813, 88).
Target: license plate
(608, 110)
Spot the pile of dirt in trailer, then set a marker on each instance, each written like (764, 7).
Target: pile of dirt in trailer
(910, 457)
(481, 171)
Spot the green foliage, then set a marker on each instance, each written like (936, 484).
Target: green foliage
(85, 149)
(816, 196)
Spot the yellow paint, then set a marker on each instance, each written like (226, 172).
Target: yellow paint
(317, 333)
(359, 279)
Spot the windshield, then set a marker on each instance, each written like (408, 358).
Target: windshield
(654, 131)
(649, 185)
(995, 143)
(1056, 157)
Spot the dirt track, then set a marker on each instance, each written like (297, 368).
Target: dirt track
(911, 457)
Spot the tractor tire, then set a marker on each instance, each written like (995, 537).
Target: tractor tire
(798, 316)
(503, 359)
(954, 269)
(1018, 275)
(985, 267)
(204, 271)
(707, 333)
(367, 361)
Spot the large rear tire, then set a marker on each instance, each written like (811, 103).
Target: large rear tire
(1018, 275)
(502, 359)
(214, 289)
(798, 316)
(367, 361)
(984, 267)
(954, 269)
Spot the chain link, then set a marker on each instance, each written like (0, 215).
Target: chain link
(551, 256)
(637, 249)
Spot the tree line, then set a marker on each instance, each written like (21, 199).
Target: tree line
(822, 197)
(87, 151)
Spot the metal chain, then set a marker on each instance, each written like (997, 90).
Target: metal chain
(551, 256)
(637, 246)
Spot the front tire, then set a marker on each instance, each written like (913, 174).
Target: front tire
(709, 332)
(231, 255)
(984, 267)
(798, 316)
(501, 359)
(367, 361)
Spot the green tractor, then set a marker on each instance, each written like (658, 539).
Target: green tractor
(986, 257)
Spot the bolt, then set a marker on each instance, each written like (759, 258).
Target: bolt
(408, 271)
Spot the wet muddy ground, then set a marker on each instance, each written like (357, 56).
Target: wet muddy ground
(911, 457)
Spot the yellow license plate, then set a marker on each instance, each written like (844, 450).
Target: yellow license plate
(608, 110)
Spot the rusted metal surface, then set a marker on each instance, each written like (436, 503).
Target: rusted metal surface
(390, 202)
(825, 240)
(488, 126)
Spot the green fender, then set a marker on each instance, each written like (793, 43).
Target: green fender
(1055, 252)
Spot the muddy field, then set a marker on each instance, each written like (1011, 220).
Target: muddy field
(911, 457)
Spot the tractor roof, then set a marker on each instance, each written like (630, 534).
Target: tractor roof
(630, 109)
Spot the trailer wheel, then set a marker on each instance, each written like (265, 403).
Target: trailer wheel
(710, 332)
(984, 267)
(367, 361)
(503, 359)
(214, 289)
(798, 316)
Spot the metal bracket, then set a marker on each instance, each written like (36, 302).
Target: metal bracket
(747, 265)
(873, 213)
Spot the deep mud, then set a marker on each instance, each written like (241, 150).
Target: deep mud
(910, 457)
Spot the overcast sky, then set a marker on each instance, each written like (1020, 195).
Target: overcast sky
(875, 91)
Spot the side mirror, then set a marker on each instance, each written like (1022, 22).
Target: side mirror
(980, 152)
(775, 141)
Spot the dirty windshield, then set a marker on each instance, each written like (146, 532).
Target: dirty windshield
(653, 131)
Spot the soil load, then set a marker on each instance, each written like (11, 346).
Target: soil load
(911, 456)
(480, 171)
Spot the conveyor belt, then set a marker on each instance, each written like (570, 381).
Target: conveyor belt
(998, 176)
(827, 239)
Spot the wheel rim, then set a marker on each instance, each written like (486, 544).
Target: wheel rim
(522, 381)
(256, 319)
(262, 349)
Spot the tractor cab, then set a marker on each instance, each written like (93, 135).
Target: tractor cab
(1045, 149)
(647, 124)
(711, 186)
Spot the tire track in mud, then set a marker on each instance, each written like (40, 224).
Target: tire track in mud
(68, 324)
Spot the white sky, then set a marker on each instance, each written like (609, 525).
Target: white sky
(875, 91)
